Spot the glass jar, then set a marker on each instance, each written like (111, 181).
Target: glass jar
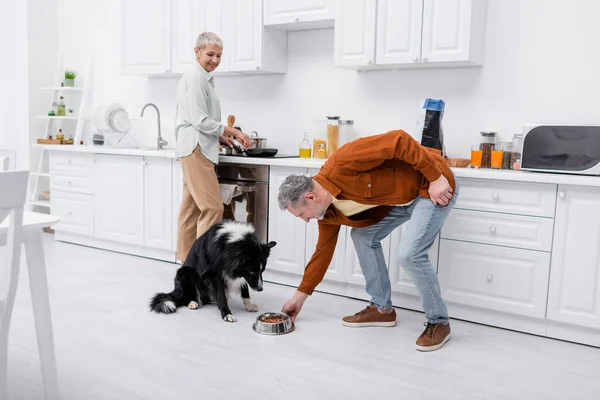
(333, 134)
(517, 150)
(506, 155)
(487, 145)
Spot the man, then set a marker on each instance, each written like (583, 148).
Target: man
(374, 184)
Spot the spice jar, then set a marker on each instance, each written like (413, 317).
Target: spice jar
(517, 149)
(506, 155)
(487, 145)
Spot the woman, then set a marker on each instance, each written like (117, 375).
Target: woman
(198, 133)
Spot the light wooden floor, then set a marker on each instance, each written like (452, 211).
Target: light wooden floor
(110, 347)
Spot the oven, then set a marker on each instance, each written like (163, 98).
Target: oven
(245, 189)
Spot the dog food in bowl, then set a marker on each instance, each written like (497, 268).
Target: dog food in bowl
(273, 323)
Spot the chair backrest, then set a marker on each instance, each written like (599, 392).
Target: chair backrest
(3, 163)
(13, 189)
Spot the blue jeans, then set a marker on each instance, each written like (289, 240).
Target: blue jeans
(423, 222)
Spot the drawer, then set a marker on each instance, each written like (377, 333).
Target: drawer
(494, 278)
(524, 198)
(518, 231)
(73, 163)
(76, 212)
(70, 183)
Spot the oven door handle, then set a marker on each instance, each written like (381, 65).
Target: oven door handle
(246, 188)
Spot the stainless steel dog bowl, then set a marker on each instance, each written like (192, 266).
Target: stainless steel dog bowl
(273, 328)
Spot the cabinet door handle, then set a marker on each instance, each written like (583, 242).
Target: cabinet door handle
(369, 61)
(561, 195)
(70, 213)
(489, 277)
(297, 20)
(424, 58)
(257, 67)
(495, 196)
(415, 59)
(492, 229)
(70, 183)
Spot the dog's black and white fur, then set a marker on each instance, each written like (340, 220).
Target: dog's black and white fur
(227, 258)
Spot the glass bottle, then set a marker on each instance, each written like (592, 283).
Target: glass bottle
(61, 107)
(305, 148)
(333, 134)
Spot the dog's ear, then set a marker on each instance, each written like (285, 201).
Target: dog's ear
(270, 244)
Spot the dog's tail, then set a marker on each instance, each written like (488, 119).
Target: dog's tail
(182, 294)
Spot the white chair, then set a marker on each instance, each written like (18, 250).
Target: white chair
(13, 187)
(3, 163)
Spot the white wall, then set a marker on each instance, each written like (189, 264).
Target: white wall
(542, 71)
(14, 81)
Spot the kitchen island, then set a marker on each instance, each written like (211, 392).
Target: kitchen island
(519, 251)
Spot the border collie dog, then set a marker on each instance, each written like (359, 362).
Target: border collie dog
(229, 257)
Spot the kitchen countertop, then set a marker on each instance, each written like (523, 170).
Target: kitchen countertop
(490, 174)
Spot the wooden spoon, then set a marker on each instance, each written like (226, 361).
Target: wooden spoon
(230, 121)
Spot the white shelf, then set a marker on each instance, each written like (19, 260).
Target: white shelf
(63, 89)
(41, 203)
(56, 117)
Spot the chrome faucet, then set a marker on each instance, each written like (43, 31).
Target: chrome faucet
(160, 142)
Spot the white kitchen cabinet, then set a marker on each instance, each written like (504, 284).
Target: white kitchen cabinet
(145, 36)
(410, 33)
(399, 24)
(287, 230)
(574, 293)
(119, 198)
(453, 32)
(192, 17)
(255, 49)
(354, 35)
(335, 272)
(494, 278)
(158, 179)
(295, 15)
(76, 212)
(353, 271)
(176, 196)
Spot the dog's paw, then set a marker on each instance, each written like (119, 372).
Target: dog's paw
(192, 305)
(249, 306)
(229, 318)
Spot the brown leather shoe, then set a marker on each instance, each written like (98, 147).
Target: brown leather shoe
(370, 317)
(433, 337)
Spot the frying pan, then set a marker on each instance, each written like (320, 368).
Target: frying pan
(266, 152)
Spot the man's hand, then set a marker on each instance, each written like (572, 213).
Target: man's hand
(225, 140)
(440, 191)
(294, 305)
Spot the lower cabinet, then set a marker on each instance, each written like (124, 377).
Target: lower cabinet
(119, 198)
(574, 293)
(115, 202)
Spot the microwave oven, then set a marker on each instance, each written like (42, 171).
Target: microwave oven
(566, 149)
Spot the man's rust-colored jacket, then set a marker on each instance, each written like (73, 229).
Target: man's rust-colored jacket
(386, 169)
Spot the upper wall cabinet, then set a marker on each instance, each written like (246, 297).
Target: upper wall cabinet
(160, 40)
(293, 15)
(410, 33)
(255, 48)
(145, 45)
(189, 18)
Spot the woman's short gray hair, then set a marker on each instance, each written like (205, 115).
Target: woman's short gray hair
(206, 38)
(293, 189)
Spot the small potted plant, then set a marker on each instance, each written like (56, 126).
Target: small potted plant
(70, 78)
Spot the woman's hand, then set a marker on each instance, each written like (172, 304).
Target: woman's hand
(226, 141)
(239, 135)
(294, 305)
(440, 191)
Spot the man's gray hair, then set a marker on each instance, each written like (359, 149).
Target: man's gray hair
(206, 38)
(293, 189)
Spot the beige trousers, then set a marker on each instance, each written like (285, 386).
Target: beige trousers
(201, 204)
